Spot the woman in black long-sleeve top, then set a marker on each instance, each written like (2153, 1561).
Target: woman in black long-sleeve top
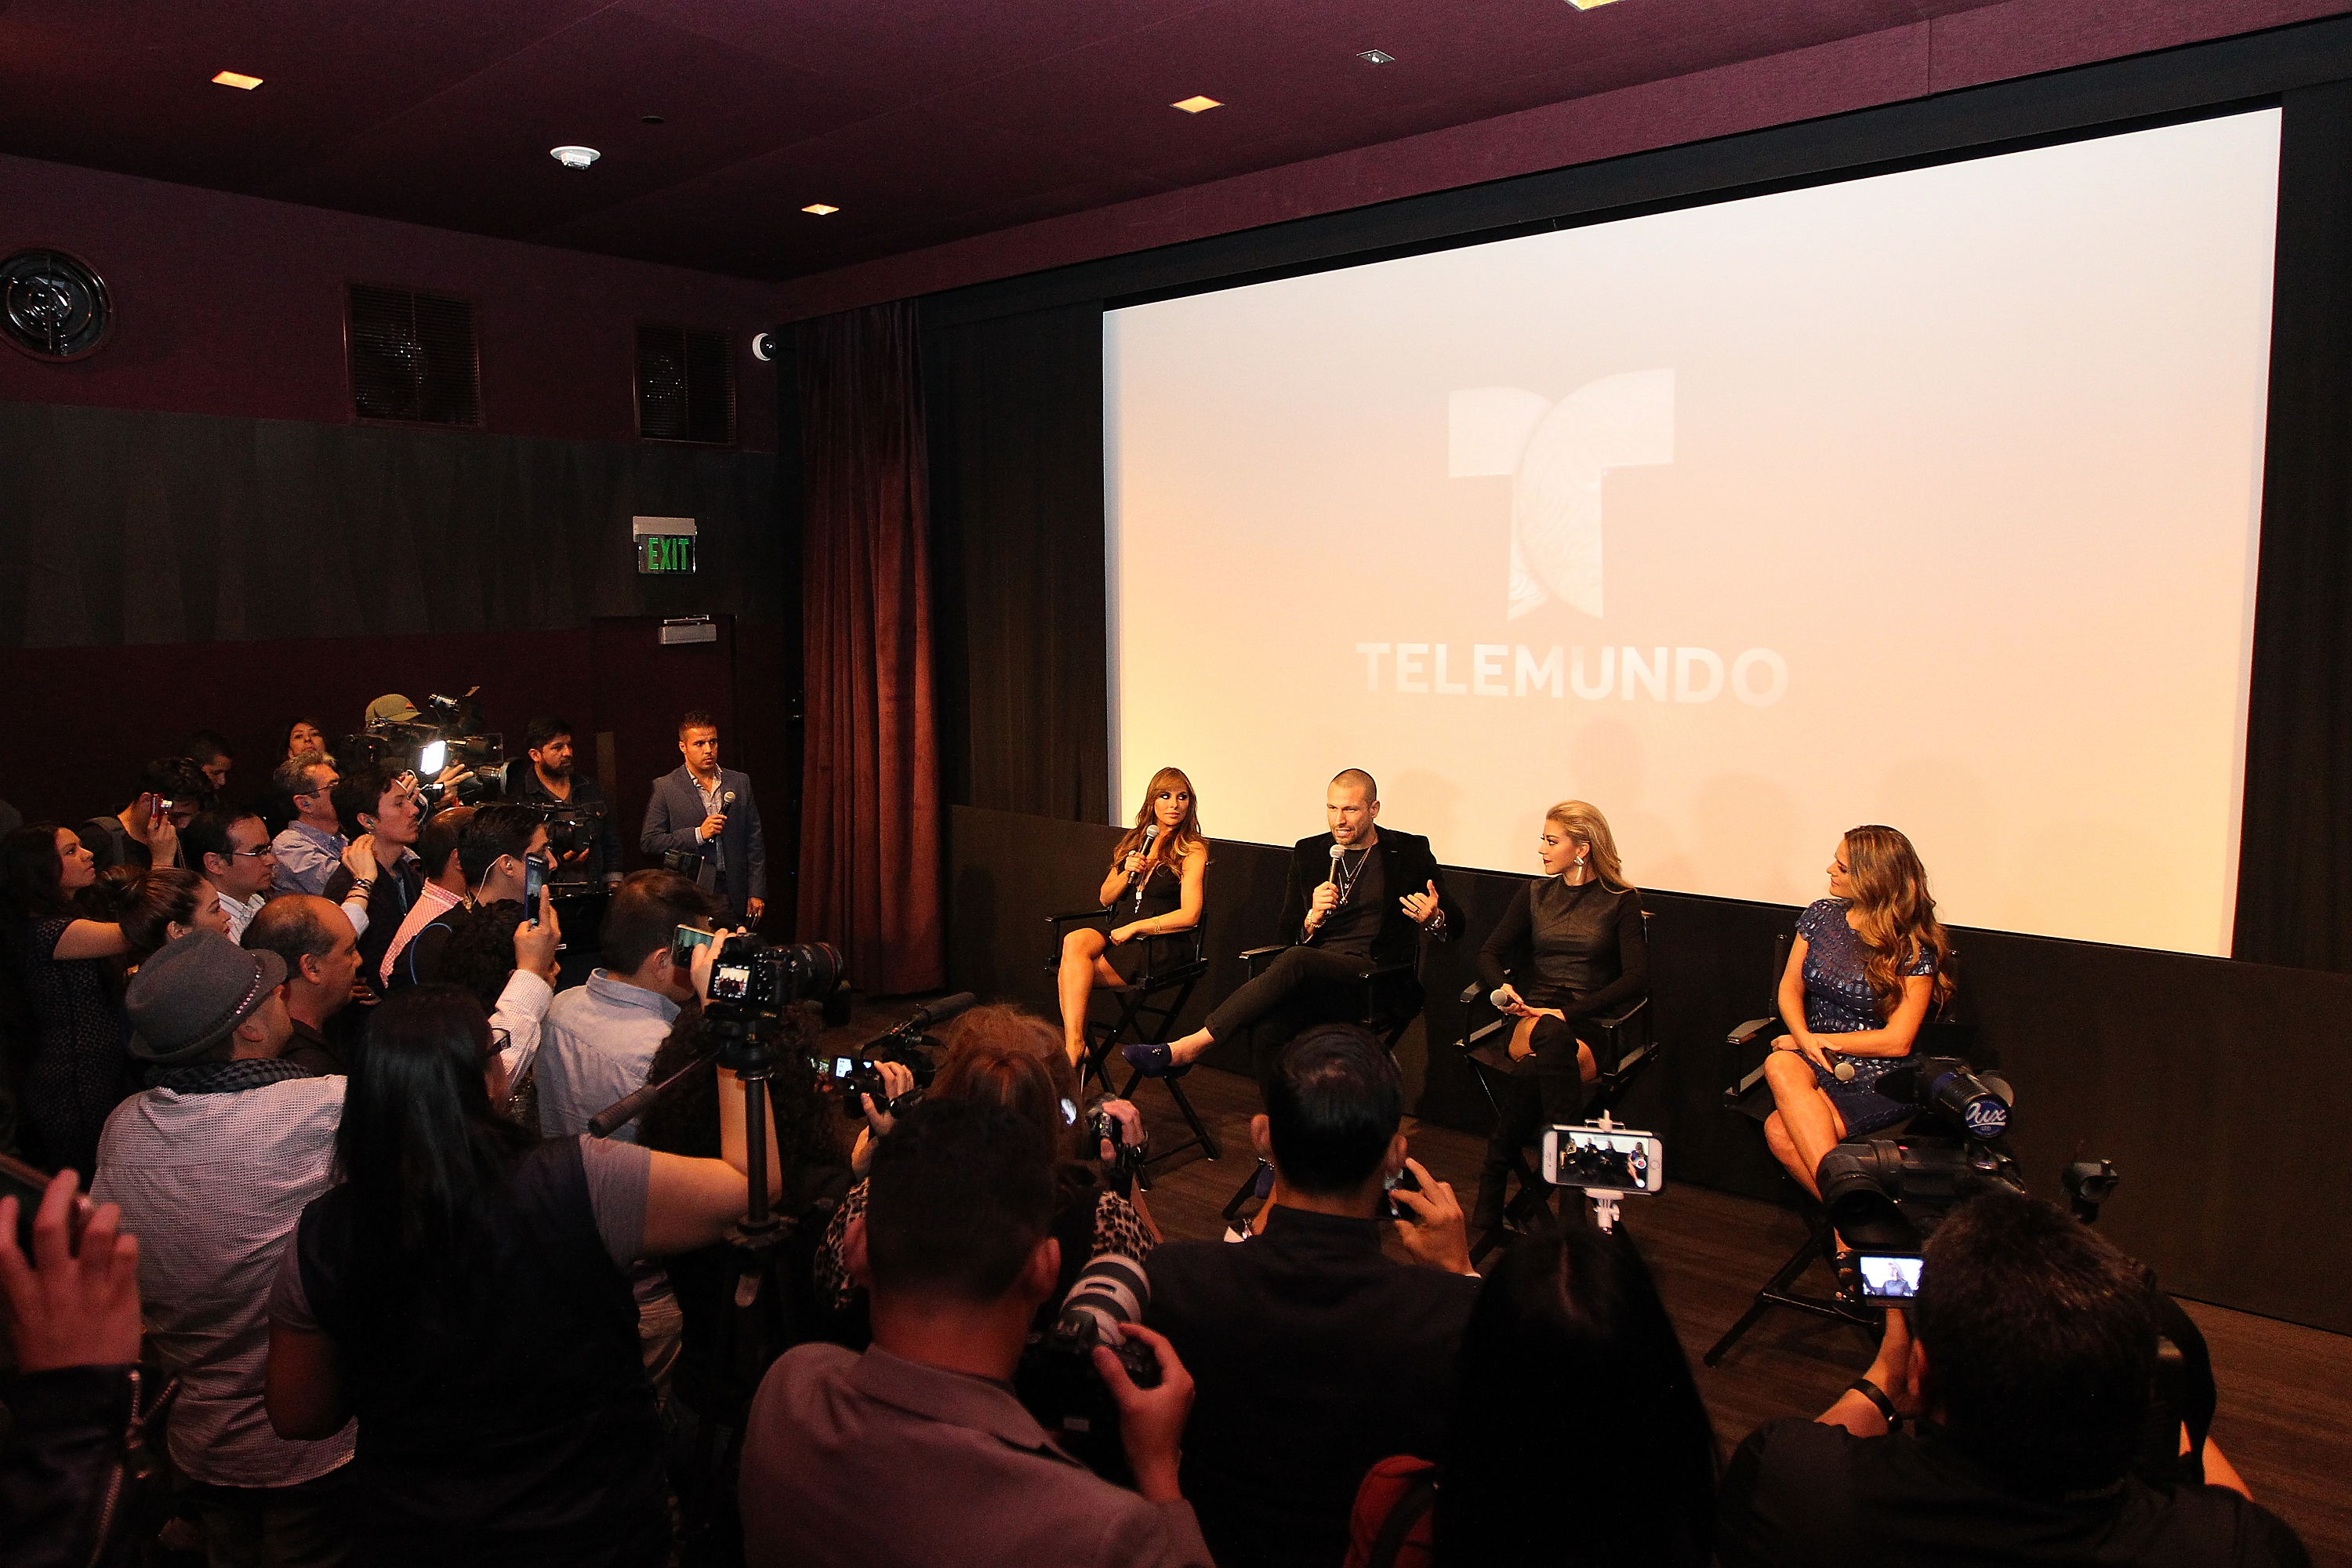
(1573, 950)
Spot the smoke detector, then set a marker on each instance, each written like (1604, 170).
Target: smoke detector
(574, 157)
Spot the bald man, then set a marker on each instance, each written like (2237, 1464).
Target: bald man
(1359, 897)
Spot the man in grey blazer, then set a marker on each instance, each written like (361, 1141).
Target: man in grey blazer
(707, 810)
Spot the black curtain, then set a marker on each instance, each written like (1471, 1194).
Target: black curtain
(2295, 857)
(1019, 619)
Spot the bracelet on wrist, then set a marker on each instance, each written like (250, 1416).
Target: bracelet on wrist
(1877, 1396)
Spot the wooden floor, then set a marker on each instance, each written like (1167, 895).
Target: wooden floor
(2287, 1392)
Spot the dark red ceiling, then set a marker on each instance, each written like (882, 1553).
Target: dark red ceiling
(923, 120)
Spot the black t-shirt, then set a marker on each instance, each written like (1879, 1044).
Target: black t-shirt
(1802, 1494)
(1352, 926)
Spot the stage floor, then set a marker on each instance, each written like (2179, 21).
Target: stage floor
(2285, 1416)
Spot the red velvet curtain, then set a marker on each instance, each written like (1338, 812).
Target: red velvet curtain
(870, 873)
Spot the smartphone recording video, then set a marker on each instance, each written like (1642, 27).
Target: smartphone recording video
(682, 945)
(1888, 1276)
(1613, 1160)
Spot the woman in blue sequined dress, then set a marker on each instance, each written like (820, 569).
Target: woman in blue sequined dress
(1868, 963)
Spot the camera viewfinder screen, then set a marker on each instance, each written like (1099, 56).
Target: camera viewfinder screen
(1617, 1162)
(1889, 1277)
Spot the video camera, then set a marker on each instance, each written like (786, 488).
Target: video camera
(446, 731)
(1885, 1194)
(1057, 1380)
(858, 1072)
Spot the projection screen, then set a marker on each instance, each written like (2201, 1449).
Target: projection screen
(1929, 498)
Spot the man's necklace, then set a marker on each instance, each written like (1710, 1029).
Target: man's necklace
(1348, 874)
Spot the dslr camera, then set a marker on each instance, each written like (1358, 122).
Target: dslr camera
(752, 978)
(1057, 1380)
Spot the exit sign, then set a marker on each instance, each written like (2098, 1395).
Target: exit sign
(664, 545)
(666, 554)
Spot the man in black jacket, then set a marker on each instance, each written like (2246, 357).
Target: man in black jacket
(1312, 1354)
(1357, 899)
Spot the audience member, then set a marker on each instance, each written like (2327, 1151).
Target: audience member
(492, 847)
(79, 1067)
(164, 904)
(509, 964)
(1315, 1355)
(304, 735)
(552, 780)
(1004, 1056)
(211, 1166)
(444, 882)
(79, 1401)
(2028, 1386)
(381, 814)
(311, 847)
(232, 849)
(208, 749)
(1579, 1434)
(917, 1451)
(171, 791)
(600, 1038)
(315, 941)
(704, 810)
(462, 1293)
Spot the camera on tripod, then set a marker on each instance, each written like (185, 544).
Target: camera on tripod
(448, 731)
(571, 826)
(1885, 1195)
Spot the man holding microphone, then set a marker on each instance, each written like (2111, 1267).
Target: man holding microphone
(706, 810)
(1356, 899)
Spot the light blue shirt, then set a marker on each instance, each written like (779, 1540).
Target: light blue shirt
(596, 1048)
(307, 857)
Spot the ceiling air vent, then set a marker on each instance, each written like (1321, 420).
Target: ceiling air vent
(686, 386)
(413, 358)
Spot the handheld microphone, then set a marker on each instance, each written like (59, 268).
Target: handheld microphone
(1495, 998)
(1149, 834)
(1334, 879)
(726, 799)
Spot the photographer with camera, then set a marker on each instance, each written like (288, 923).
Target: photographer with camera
(139, 836)
(915, 1452)
(464, 1294)
(560, 793)
(381, 815)
(1002, 1055)
(1315, 1355)
(2029, 1389)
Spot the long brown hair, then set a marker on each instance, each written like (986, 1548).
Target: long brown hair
(1182, 842)
(1007, 1057)
(1896, 915)
(1585, 825)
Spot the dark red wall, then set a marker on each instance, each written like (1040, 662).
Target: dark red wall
(235, 305)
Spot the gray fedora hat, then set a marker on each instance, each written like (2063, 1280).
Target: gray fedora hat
(188, 997)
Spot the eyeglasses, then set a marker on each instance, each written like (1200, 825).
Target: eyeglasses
(265, 852)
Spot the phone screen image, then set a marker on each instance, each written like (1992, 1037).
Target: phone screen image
(1888, 1277)
(534, 877)
(682, 945)
(1611, 1161)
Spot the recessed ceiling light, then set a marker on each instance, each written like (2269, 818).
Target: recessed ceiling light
(1196, 104)
(1588, 4)
(239, 79)
(1378, 57)
(822, 209)
(574, 157)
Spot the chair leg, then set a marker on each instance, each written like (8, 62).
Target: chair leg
(1200, 1134)
(1258, 1183)
(1779, 1291)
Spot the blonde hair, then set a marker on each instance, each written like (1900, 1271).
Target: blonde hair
(1585, 823)
(1897, 922)
(1187, 836)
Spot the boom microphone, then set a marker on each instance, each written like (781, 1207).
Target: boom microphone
(1980, 1104)
(941, 1011)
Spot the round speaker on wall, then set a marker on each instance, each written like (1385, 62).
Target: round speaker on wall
(52, 305)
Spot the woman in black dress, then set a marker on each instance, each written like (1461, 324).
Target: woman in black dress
(1570, 951)
(1157, 878)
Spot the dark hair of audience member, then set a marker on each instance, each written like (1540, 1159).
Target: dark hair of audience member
(427, 1158)
(207, 833)
(286, 734)
(960, 1195)
(685, 1119)
(480, 955)
(2041, 1341)
(542, 730)
(291, 926)
(646, 909)
(176, 779)
(360, 792)
(203, 746)
(32, 877)
(695, 719)
(438, 840)
(495, 831)
(1332, 1105)
(152, 901)
(1578, 1434)
(977, 1065)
